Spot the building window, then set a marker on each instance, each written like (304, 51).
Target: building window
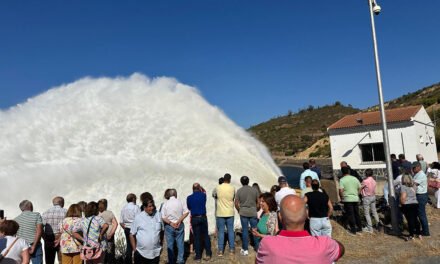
(372, 152)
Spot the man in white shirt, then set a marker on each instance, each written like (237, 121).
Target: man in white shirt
(145, 234)
(128, 213)
(173, 214)
(284, 190)
(307, 172)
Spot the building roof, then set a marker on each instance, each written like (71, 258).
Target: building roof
(373, 118)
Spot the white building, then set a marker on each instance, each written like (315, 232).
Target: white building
(357, 139)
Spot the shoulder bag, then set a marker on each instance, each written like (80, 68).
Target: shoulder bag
(88, 252)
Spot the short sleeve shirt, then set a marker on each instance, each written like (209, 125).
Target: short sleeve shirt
(411, 197)
(95, 228)
(351, 187)
(16, 250)
(108, 217)
(28, 222)
(147, 230)
(247, 198)
(225, 200)
(69, 226)
(297, 247)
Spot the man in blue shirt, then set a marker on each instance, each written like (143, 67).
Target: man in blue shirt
(315, 168)
(196, 203)
(307, 172)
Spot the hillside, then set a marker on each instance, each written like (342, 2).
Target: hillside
(295, 132)
(303, 133)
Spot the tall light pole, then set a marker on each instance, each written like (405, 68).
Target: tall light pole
(375, 9)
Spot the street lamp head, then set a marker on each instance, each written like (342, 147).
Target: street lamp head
(376, 8)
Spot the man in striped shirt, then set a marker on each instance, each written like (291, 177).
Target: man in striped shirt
(52, 219)
(31, 229)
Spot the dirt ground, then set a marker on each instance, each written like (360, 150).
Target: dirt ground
(364, 248)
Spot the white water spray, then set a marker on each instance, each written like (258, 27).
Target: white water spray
(104, 138)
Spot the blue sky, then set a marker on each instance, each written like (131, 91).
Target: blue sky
(253, 59)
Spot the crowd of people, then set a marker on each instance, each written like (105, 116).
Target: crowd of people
(281, 225)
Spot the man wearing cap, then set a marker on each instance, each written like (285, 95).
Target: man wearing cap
(246, 205)
(284, 190)
(422, 195)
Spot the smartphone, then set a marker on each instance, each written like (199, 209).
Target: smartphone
(2, 214)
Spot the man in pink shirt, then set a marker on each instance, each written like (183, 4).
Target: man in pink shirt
(294, 244)
(368, 193)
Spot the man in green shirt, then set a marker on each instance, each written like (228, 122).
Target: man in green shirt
(349, 189)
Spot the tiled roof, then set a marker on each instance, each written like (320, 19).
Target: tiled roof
(373, 118)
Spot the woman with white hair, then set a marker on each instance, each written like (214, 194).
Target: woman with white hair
(409, 203)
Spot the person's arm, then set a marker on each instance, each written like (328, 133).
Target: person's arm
(301, 182)
(237, 205)
(122, 219)
(37, 238)
(133, 242)
(403, 197)
(181, 219)
(25, 257)
(103, 231)
(330, 208)
(341, 194)
(114, 227)
(305, 202)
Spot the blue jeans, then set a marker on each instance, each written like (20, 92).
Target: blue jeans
(229, 222)
(37, 256)
(245, 221)
(320, 226)
(200, 230)
(422, 199)
(175, 235)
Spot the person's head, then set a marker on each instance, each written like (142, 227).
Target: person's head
(343, 164)
(407, 180)
(8, 227)
(58, 201)
(82, 205)
(244, 180)
(26, 205)
(312, 162)
(306, 166)
(345, 170)
(257, 187)
(102, 205)
(416, 167)
(221, 180)
(131, 198)
(435, 165)
(401, 157)
(393, 156)
(166, 194)
(267, 202)
(173, 193)
(274, 189)
(91, 209)
(419, 157)
(227, 178)
(149, 206)
(293, 213)
(315, 185)
(196, 187)
(308, 181)
(282, 181)
(368, 173)
(145, 196)
(74, 211)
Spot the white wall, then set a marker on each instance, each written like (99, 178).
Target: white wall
(344, 143)
(404, 138)
(425, 135)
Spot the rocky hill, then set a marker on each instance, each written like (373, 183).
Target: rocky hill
(295, 132)
(305, 133)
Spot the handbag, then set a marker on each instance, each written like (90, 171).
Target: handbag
(88, 252)
(7, 250)
(434, 184)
